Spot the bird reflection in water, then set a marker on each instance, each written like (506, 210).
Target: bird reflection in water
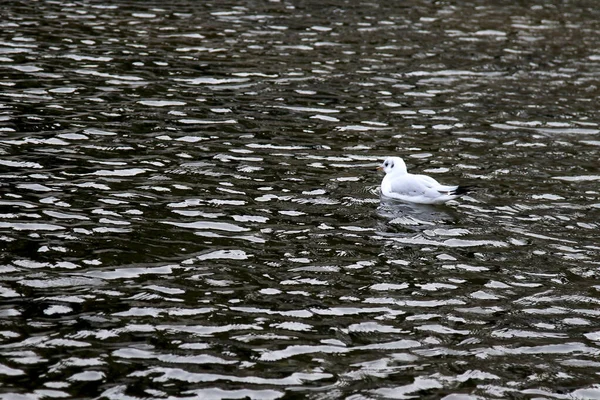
(410, 217)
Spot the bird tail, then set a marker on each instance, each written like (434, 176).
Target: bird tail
(461, 190)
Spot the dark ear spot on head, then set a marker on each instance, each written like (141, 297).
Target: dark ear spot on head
(392, 165)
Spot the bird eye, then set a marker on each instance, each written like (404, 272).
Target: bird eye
(385, 164)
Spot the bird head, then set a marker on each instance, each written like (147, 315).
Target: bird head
(393, 165)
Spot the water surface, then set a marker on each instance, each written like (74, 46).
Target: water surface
(189, 205)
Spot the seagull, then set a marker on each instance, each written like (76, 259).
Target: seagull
(399, 184)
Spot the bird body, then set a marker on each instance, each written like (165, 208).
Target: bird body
(422, 189)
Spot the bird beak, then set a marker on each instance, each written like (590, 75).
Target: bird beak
(380, 168)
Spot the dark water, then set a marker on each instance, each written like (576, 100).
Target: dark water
(189, 207)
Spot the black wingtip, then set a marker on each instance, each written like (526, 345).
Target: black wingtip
(463, 190)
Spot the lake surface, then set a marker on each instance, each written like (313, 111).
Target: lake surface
(189, 206)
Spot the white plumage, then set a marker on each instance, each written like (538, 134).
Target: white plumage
(399, 184)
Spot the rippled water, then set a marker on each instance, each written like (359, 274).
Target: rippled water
(189, 207)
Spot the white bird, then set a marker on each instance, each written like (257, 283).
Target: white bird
(399, 184)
